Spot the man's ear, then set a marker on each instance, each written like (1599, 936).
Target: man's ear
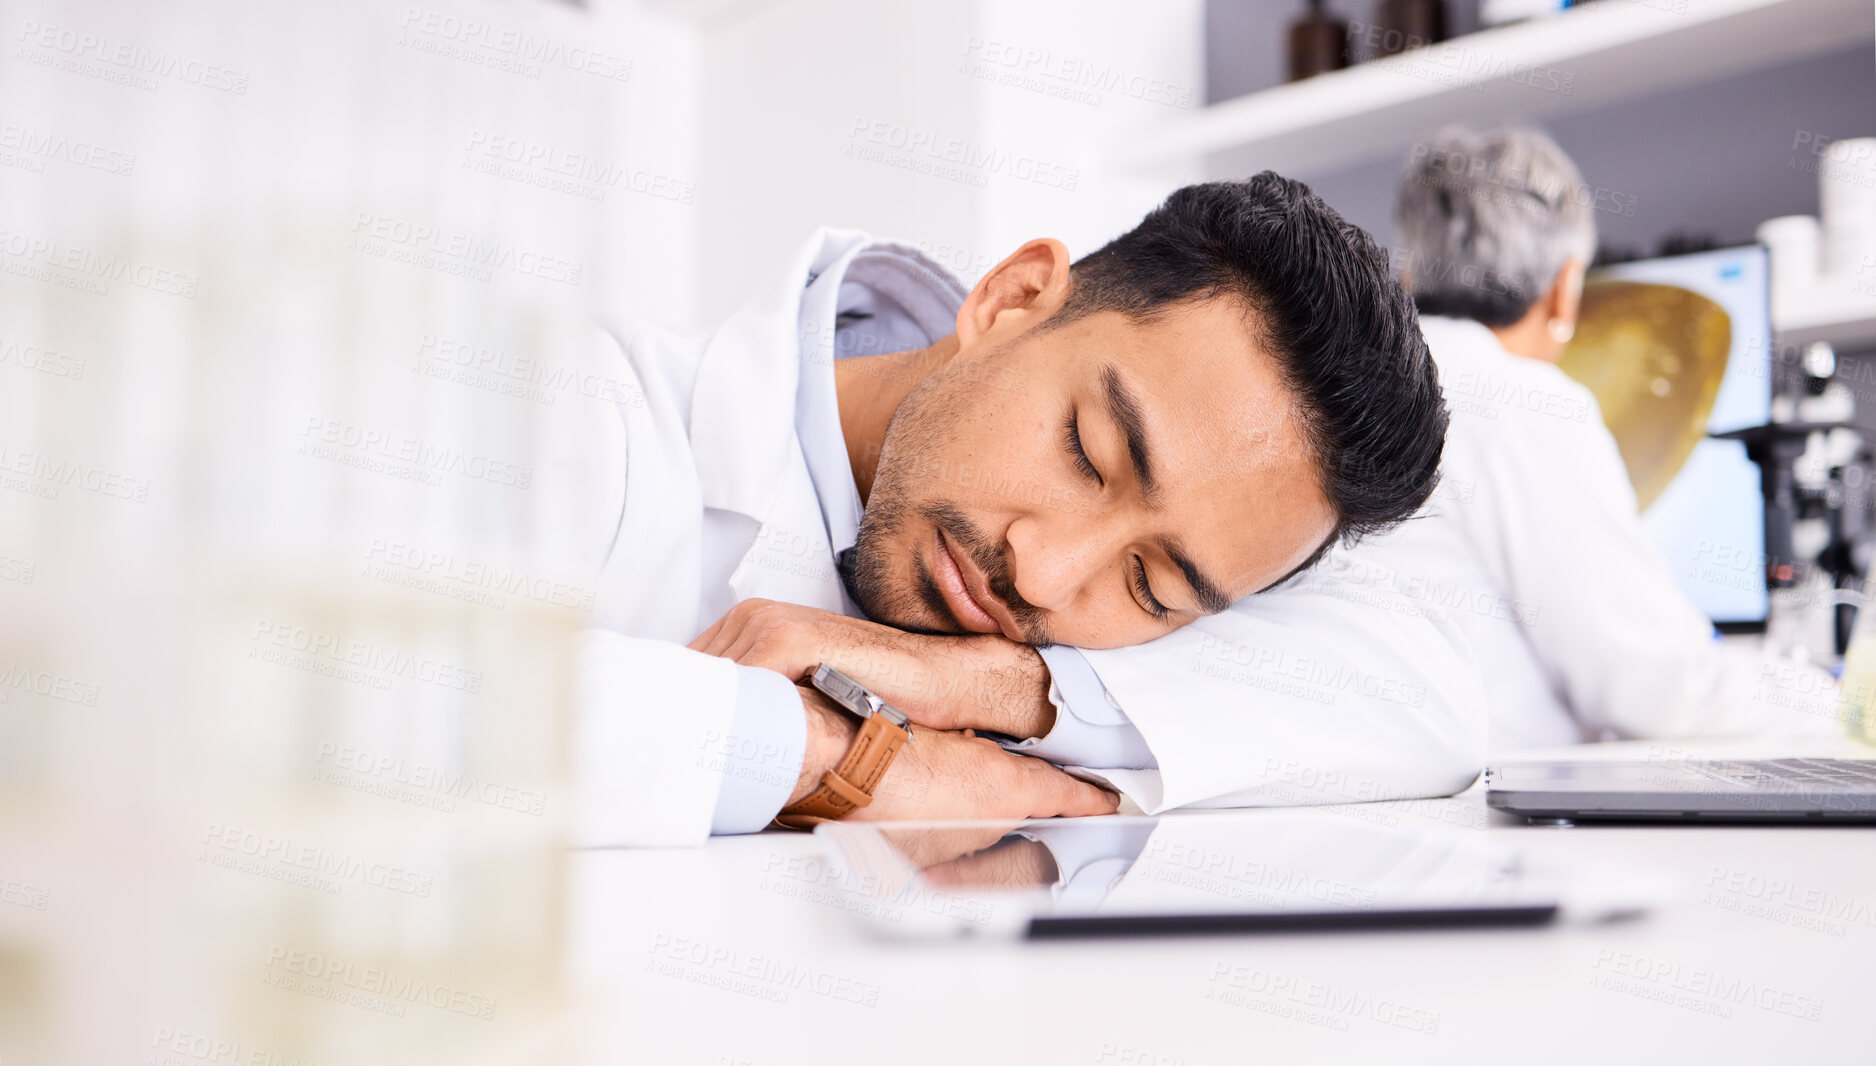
(1018, 293)
(1566, 293)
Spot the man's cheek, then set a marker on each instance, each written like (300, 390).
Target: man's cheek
(1102, 630)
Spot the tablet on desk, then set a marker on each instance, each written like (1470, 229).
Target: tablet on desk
(1252, 871)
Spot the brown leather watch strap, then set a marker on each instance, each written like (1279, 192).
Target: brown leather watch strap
(850, 785)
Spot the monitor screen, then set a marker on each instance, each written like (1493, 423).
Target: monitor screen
(1689, 343)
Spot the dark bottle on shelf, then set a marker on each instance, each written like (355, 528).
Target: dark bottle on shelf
(1404, 24)
(1318, 42)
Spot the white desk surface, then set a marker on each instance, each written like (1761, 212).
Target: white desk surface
(1773, 924)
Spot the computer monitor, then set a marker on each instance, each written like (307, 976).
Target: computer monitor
(1709, 519)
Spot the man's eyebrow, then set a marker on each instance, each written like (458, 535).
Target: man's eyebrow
(1212, 599)
(1125, 410)
(1126, 413)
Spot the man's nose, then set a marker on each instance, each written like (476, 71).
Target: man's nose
(1052, 558)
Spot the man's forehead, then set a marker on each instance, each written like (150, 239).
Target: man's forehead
(1209, 385)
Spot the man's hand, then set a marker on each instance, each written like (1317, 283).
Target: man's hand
(946, 775)
(964, 682)
(1011, 863)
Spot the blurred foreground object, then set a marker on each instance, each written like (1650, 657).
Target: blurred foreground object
(1858, 685)
(289, 567)
(303, 817)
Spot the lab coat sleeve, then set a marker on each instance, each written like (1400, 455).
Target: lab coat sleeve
(1627, 650)
(760, 761)
(673, 744)
(656, 725)
(1316, 692)
(648, 716)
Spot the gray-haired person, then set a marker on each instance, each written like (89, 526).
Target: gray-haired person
(1533, 540)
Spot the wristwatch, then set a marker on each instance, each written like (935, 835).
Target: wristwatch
(849, 786)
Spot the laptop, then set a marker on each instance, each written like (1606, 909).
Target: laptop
(1782, 791)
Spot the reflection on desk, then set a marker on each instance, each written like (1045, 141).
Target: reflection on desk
(1282, 870)
(747, 951)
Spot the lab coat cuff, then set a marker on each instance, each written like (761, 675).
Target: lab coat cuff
(1090, 728)
(1074, 686)
(760, 759)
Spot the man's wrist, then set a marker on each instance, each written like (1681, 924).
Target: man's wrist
(830, 733)
(1009, 683)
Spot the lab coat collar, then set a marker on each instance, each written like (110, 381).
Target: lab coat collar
(740, 447)
(743, 410)
(883, 297)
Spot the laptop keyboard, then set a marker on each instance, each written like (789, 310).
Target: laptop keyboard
(1833, 774)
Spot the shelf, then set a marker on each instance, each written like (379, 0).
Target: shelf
(1605, 52)
(1836, 309)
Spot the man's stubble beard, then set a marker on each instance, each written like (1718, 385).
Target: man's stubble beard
(917, 425)
(921, 425)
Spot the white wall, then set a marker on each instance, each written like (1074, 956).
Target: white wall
(966, 128)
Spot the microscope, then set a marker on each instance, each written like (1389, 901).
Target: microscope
(1815, 468)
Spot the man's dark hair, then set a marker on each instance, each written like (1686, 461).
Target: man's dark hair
(1323, 302)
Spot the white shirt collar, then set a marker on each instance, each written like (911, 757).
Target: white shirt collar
(882, 297)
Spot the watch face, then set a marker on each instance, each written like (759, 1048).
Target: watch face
(843, 690)
(832, 682)
(854, 696)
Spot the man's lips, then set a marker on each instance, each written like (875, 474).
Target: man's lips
(977, 611)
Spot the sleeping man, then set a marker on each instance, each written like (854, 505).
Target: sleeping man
(1077, 506)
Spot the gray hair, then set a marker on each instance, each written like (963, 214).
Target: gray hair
(1485, 220)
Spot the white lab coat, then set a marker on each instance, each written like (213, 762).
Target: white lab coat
(1533, 543)
(1311, 693)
